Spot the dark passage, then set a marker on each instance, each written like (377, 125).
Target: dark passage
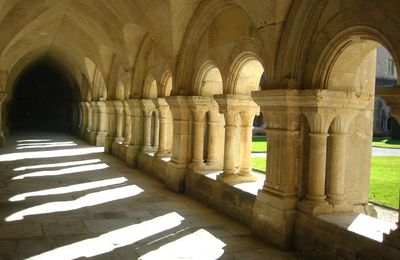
(40, 98)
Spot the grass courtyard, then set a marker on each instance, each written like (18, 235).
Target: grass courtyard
(385, 175)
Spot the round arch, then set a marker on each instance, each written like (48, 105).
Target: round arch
(355, 45)
(208, 81)
(245, 74)
(150, 89)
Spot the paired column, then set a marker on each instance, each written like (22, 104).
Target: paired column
(237, 158)
(102, 123)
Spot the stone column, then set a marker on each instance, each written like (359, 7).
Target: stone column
(102, 124)
(317, 168)
(197, 162)
(319, 120)
(229, 170)
(95, 122)
(84, 120)
(163, 109)
(2, 123)
(246, 134)
(89, 126)
(135, 129)
(274, 211)
(212, 146)
(128, 124)
(148, 107)
(147, 133)
(177, 167)
(231, 105)
(111, 126)
(337, 162)
(119, 108)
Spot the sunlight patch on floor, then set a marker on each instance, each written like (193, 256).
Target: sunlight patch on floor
(44, 145)
(198, 245)
(69, 189)
(49, 154)
(33, 140)
(84, 168)
(53, 165)
(114, 239)
(88, 200)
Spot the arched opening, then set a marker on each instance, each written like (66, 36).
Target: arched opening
(208, 81)
(248, 75)
(40, 98)
(353, 176)
(150, 90)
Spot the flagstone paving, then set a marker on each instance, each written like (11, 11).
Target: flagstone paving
(63, 199)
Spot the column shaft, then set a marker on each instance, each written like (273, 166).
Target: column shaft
(229, 155)
(317, 167)
(337, 168)
(212, 155)
(245, 144)
(198, 143)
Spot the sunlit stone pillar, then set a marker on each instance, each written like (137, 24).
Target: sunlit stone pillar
(337, 160)
(197, 162)
(319, 120)
(246, 134)
(274, 211)
(164, 111)
(212, 147)
(119, 108)
(229, 170)
(176, 171)
(231, 106)
(148, 107)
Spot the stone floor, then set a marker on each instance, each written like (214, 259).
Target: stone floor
(63, 199)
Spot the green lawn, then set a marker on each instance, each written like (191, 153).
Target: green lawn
(259, 163)
(385, 178)
(386, 143)
(259, 144)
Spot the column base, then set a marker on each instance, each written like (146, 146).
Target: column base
(162, 154)
(147, 149)
(315, 207)
(235, 178)
(274, 218)
(101, 139)
(197, 166)
(119, 139)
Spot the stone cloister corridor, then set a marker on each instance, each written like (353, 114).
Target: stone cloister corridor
(154, 103)
(64, 199)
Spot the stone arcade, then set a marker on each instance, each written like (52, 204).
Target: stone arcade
(171, 87)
